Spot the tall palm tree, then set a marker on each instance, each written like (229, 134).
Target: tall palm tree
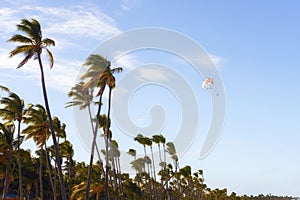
(99, 74)
(13, 110)
(83, 97)
(97, 65)
(111, 83)
(7, 146)
(32, 45)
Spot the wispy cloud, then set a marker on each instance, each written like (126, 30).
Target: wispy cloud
(217, 60)
(127, 61)
(75, 21)
(70, 27)
(62, 77)
(127, 5)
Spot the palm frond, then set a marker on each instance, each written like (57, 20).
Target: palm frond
(3, 88)
(51, 59)
(21, 39)
(25, 60)
(26, 49)
(48, 42)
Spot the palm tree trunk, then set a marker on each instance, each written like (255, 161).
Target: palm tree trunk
(153, 164)
(41, 176)
(92, 125)
(106, 143)
(95, 131)
(49, 173)
(19, 162)
(6, 181)
(120, 178)
(57, 160)
(113, 165)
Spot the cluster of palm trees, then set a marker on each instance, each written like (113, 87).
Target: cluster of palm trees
(52, 173)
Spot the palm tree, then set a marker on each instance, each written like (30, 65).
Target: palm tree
(99, 75)
(83, 97)
(149, 143)
(97, 65)
(38, 130)
(172, 151)
(132, 152)
(67, 151)
(143, 141)
(13, 110)
(32, 45)
(7, 146)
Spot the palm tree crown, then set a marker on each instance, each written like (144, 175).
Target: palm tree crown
(32, 43)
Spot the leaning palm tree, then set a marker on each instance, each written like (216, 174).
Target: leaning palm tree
(31, 45)
(99, 74)
(97, 65)
(13, 110)
(83, 97)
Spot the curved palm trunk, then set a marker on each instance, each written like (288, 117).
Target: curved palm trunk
(95, 131)
(57, 155)
(19, 162)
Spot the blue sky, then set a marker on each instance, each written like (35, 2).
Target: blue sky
(254, 44)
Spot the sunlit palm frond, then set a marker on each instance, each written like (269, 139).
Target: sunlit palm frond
(21, 39)
(51, 59)
(26, 49)
(48, 42)
(3, 88)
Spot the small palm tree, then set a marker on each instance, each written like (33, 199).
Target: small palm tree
(13, 110)
(39, 130)
(32, 45)
(7, 147)
(172, 151)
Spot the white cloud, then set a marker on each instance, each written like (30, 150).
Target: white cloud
(62, 77)
(127, 61)
(153, 74)
(68, 27)
(217, 60)
(74, 21)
